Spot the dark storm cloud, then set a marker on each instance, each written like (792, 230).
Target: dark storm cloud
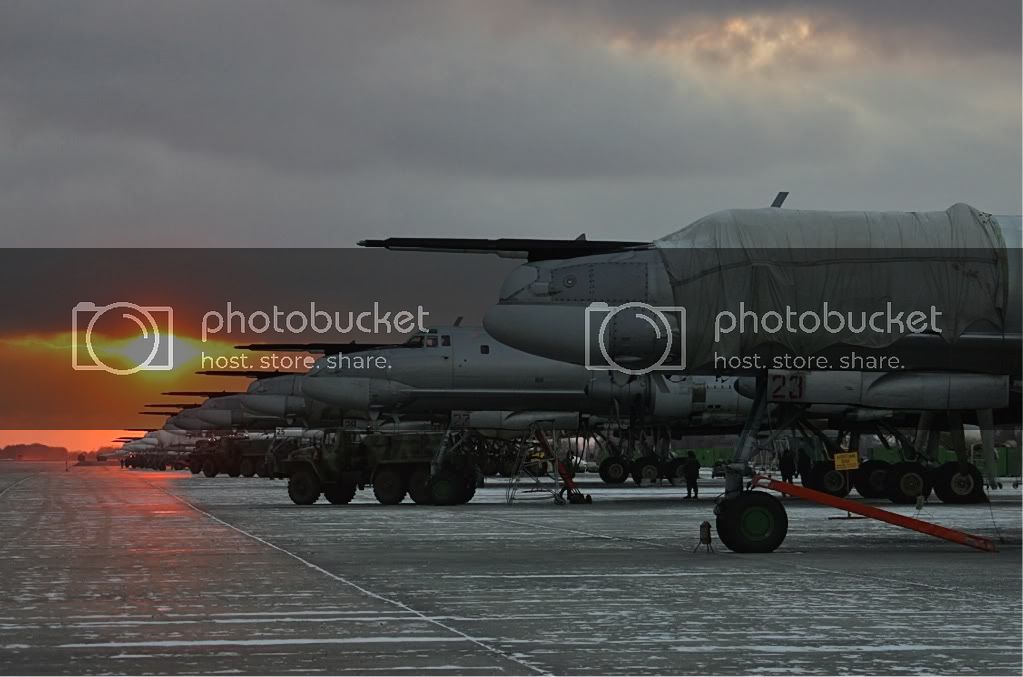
(290, 124)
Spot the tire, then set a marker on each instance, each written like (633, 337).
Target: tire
(388, 486)
(959, 483)
(469, 492)
(646, 471)
(247, 468)
(829, 480)
(489, 466)
(419, 487)
(195, 467)
(447, 488)
(304, 486)
(508, 467)
(340, 494)
(234, 471)
(673, 471)
(870, 480)
(753, 521)
(209, 468)
(906, 481)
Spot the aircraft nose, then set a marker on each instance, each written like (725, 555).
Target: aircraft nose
(341, 391)
(554, 331)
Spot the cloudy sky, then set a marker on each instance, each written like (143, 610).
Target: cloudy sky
(319, 123)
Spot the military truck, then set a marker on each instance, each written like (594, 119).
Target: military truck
(395, 464)
(232, 455)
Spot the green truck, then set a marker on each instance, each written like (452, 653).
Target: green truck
(394, 464)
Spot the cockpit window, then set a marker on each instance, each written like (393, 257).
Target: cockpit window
(431, 341)
(415, 341)
(484, 349)
(445, 340)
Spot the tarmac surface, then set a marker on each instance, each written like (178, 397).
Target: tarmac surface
(111, 571)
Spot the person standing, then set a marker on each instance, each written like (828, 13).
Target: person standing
(691, 471)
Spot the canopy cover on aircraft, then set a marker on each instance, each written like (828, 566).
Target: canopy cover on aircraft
(755, 261)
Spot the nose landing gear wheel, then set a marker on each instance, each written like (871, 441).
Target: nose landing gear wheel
(614, 470)
(870, 479)
(753, 521)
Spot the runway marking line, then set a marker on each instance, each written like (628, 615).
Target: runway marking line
(23, 479)
(356, 586)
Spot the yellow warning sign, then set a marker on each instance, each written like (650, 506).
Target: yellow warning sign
(849, 460)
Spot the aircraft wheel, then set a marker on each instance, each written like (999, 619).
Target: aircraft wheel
(906, 481)
(247, 468)
(673, 471)
(447, 488)
(646, 470)
(959, 483)
(304, 486)
(753, 521)
(870, 479)
(341, 493)
(829, 480)
(469, 492)
(489, 466)
(614, 470)
(419, 487)
(388, 486)
(209, 468)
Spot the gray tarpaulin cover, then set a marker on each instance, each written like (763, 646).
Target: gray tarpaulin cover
(856, 262)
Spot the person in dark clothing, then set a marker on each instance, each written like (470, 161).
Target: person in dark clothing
(691, 471)
(787, 466)
(805, 467)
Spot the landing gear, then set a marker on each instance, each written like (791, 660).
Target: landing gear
(247, 467)
(956, 482)
(304, 486)
(906, 481)
(388, 486)
(614, 470)
(673, 472)
(340, 494)
(753, 521)
(209, 468)
(419, 487)
(646, 470)
(825, 478)
(870, 480)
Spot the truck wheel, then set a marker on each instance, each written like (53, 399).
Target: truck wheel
(195, 467)
(388, 486)
(614, 470)
(419, 487)
(469, 491)
(447, 488)
(869, 479)
(304, 486)
(209, 468)
(340, 494)
(673, 471)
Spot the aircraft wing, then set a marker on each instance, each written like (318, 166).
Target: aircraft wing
(252, 373)
(324, 348)
(512, 248)
(203, 393)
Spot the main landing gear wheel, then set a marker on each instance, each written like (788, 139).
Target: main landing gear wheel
(753, 521)
(673, 471)
(209, 468)
(340, 494)
(614, 470)
(825, 478)
(906, 481)
(646, 470)
(419, 487)
(956, 482)
(388, 486)
(247, 467)
(304, 486)
(870, 479)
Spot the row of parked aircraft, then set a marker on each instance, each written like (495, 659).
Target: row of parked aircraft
(640, 337)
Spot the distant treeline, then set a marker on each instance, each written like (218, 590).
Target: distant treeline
(33, 452)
